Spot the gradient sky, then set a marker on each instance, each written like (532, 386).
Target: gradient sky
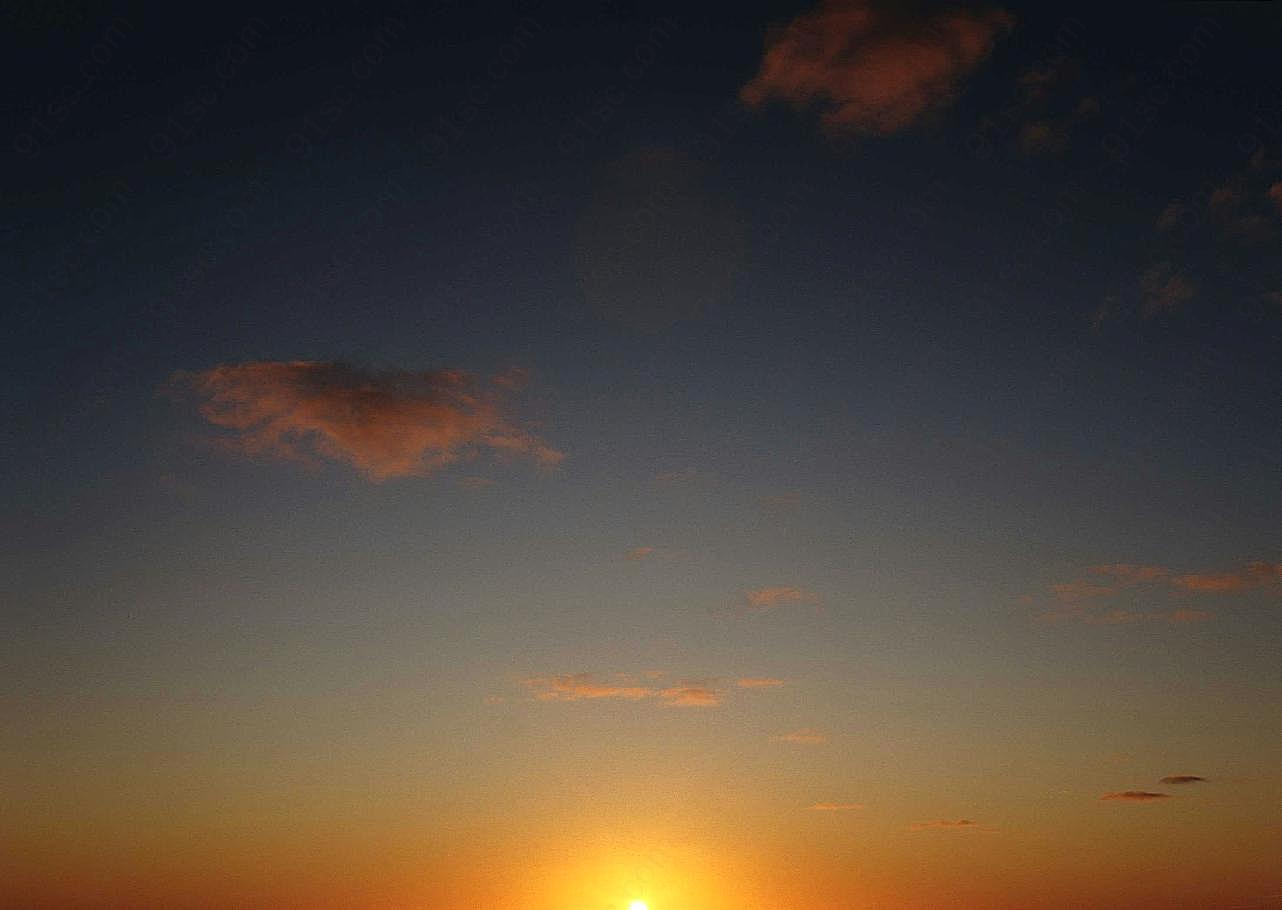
(534, 456)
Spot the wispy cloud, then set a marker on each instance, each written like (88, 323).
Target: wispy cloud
(383, 423)
(760, 682)
(1135, 796)
(1164, 286)
(1130, 574)
(1109, 580)
(690, 695)
(1182, 779)
(583, 686)
(637, 553)
(835, 807)
(787, 500)
(1251, 577)
(873, 68)
(804, 737)
(684, 475)
(763, 600)
(961, 824)
(587, 687)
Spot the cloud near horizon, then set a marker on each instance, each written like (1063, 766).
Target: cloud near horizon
(805, 737)
(835, 807)
(961, 824)
(763, 600)
(383, 423)
(1182, 779)
(760, 682)
(872, 68)
(586, 687)
(1115, 578)
(1135, 796)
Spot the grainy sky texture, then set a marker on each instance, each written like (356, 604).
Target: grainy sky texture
(767, 456)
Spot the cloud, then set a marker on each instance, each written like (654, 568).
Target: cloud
(1126, 573)
(962, 824)
(763, 600)
(1251, 577)
(1164, 287)
(383, 423)
(786, 500)
(835, 807)
(681, 476)
(640, 553)
(1135, 796)
(1077, 591)
(869, 67)
(586, 687)
(1182, 779)
(690, 695)
(805, 737)
(760, 682)
(1077, 596)
(582, 686)
(1171, 216)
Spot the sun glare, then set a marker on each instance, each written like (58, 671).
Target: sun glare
(638, 905)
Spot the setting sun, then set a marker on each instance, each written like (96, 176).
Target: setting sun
(638, 905)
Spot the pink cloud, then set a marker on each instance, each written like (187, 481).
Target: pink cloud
(383, 423)
(870, 67)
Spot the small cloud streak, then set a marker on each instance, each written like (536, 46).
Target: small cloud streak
(1135, 796)
(760, 682)
(763, 600)
(1251, 577)
(804, 737)
(586, 687)
(835, 807)
(1164, 287)
(690, 695)
(1182, 779)
(961, 824)
(638, 553)
(1117, 578)
(871, 68)
(383, 423)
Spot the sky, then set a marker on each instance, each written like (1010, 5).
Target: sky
(771, 456)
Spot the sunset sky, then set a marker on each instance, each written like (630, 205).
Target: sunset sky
(770, 456)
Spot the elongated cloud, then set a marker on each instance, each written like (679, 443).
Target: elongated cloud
(690, 695)
(805, 737)
(870, 67)
(762, 600)
(1115, 578)
(962, 824)
(835, 807)
(583, 686)
(1251, 577)
(1182, 779)
(1135, 796)
(760, 682)
(1129, 574)
(586, 687)
(383, 423)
